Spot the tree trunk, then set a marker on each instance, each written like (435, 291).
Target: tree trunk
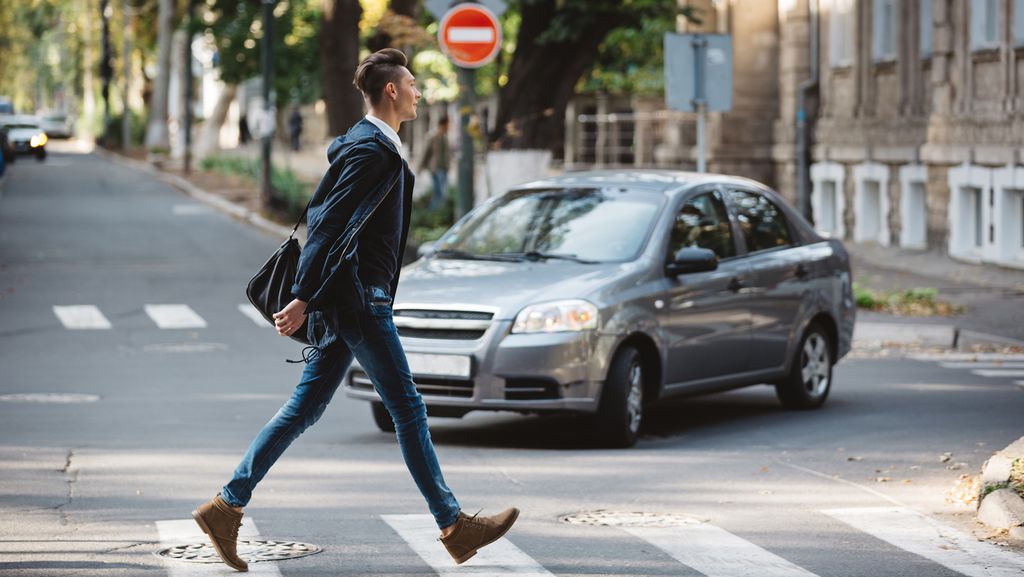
(156, 130)
(542, 79)
(339, 56)
(209, 138)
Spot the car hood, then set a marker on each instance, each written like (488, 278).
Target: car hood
(508, 286)
(22, 133)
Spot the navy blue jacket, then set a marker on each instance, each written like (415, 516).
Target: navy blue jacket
(365, 167)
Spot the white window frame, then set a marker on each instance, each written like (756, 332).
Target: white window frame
(821, 173)
(985, 22)
(862, 175)
(883, 30)
(926, 22)
(841, 33)
(962, 180)
(910, 219)
(1008, 214)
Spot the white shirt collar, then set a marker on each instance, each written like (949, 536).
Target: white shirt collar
(387, 130)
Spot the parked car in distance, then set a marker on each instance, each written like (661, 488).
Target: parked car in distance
(6, 107)
(603, 292)
(22, 135)
(55, 124)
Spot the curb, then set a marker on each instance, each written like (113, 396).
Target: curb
(1003, 508)
(870, 333)
(226, 206)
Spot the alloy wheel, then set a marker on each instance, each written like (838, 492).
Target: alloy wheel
(815, 365)
(635, 398)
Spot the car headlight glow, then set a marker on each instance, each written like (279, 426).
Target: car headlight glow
(38, 140)
(556, 317)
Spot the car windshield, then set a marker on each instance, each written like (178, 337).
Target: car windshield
(579, 224)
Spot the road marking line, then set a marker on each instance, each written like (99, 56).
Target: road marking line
(1019, 384)
(250, 311)
(77, 317)
(175, 317)
(716, 552)
(189, 209)
(986, 357)
(498, 558)
(998, 373)
(995, 365)
(180, 532)
(932, 540)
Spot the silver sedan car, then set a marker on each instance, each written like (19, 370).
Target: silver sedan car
(601, 293)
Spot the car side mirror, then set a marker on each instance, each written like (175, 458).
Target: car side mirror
(425, 249)
(689, 260)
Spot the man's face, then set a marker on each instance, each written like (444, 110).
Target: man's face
(407, 95)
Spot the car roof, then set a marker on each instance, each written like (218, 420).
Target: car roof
(653, 180)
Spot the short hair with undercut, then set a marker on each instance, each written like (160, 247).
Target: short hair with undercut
(376, 70)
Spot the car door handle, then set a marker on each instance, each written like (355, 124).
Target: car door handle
(735, 284)
(801, 271)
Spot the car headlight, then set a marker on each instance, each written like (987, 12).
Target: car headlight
(556, 317)
(38, 140)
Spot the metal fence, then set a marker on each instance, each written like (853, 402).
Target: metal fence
(658, 139)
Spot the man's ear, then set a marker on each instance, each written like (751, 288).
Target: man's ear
(391, 90)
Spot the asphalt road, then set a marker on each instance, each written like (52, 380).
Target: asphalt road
(724, 485)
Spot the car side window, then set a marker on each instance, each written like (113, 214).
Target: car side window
(763, 224)
(703, 222)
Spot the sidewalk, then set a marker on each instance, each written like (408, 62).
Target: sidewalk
(993, 297)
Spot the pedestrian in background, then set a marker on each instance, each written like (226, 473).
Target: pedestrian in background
(295, 128)
(348, 272)
(244, 136)
(437, 159)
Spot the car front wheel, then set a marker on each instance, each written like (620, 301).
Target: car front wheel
(810, 377)
(381, 417)
(620, 412)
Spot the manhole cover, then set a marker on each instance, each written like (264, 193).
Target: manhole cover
(251, 551)
(630, 519)
(48, 398)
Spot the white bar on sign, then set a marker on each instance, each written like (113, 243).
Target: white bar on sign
(999, 373)
(472, 35)
(80, 317)
(175, 317)
(932, 540)
(716, 552)
(498, 558)
(251, 312)
(182, 532)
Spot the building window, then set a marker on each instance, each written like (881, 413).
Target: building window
(984, 24)
(828, 207)
(1018, 22)
(883, 26)
(841, 33)
(927, 26)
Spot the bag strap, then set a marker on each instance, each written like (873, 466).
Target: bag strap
(301, 218)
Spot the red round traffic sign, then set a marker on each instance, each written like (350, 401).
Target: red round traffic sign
(470, 35)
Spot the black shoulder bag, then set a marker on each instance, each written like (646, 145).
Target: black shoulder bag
(270, 289)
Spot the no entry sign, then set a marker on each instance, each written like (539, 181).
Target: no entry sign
(470, 35)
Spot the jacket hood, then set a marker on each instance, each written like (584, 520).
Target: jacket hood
(362, 131)
(508, 286)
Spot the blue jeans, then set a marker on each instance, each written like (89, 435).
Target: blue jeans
(370, 336)
(439, 180)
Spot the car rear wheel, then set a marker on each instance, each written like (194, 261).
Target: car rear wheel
(41, 155)
(810, 377)
(620, 412)
(381, 417)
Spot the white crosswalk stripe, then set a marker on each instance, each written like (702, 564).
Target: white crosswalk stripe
(716, 552)
(175, 317)
(181, 532)
(499, 558)
(250, 311)
(982, 365)
(997, 373)
(932, 540)
(78, 317)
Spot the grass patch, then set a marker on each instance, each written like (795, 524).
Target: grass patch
(917, 302)
(289, 195)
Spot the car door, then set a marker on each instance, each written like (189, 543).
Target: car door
(779, 272)
(708, 319)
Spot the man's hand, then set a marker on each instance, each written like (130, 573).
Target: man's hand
(291, 318)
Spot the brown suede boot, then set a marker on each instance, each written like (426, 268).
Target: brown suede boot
(472, 533)
(221, 522)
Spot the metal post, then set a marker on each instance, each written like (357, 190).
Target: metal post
(268, 38)
(187, 125)
(126, 115)
(106, 70)
(467, 108)
(700, 45)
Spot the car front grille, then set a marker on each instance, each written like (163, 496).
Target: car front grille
(432, 323)
(427, 386)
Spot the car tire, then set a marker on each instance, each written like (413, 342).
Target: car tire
(381, 417)
(810, 378)
(41, 156)
(11, 158)
(620, 412)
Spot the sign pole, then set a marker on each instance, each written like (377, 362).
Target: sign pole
(467, 108)
(700, 45)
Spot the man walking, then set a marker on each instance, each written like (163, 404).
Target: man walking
(436, 159)
(348, 272)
